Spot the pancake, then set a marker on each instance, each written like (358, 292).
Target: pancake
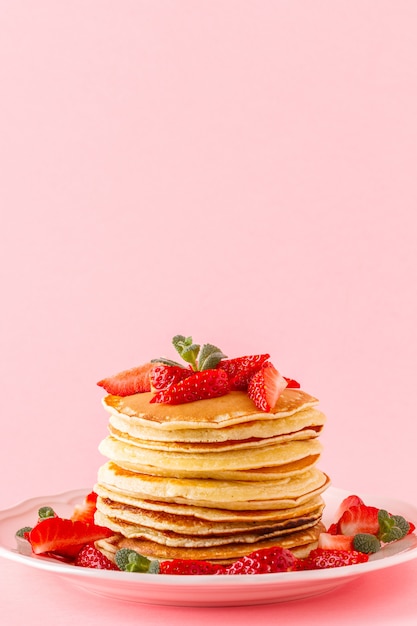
(190, 526)
(300, 543)
(209, 513)
(237, 459)
(233, 408)
(235, 495)
(132, 428)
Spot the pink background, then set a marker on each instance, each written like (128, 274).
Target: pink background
(240, 171)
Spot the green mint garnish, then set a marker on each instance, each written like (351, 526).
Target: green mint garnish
(131, 561)
(391, 527)
(366, 543)
(45, 512)
(205, 357)
(22, 531)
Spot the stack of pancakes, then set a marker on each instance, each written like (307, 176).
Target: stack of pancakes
(213, 479)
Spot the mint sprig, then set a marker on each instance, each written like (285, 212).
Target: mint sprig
(391, 527)
(131, 561)
(200, 358)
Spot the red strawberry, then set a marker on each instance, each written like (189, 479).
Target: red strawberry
(412, 528)
(359, 519)
(266, 386)
(264, 561)
(186, 566)
(335, 542)
(129, 382)
(292, 384)
(333, 529)
(346, 504)
(323, 559)
(162, 376)
(199, 386)
(241, 369)
(64, 536)
(89, 556)
(85, 512)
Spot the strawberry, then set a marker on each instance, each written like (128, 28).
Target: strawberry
(63, 536)
(129, 382)
(335, 542)
(162, 376)
(85, 512)
(264, 561)
(346, 504)
(186, 566)
(199, 386)
(266, 386)
(291, 383)
(324, 559)
(241, 369)
(89, 556)
(359, 519)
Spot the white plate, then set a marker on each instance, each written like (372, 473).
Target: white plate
(204, 590)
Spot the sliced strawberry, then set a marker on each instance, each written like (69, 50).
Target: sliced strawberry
(412, 528)
(89, 556)
(264, 561)
(241, 369)
(333, 529)
(266, 386)
(85, 512)
(292, 384)
(359, 519)
(335, 542)
(162, 376)
(129, 382)
(199, 386)
(64, 536)
(187, 566)
(324, 559)
(346, 504)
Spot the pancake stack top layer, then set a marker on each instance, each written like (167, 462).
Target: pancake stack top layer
(212, 479)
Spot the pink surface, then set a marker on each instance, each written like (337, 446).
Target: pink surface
(242, 172)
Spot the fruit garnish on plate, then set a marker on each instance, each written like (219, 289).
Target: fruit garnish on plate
(74, 542)
(206, 373)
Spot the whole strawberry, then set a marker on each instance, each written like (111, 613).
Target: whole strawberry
(267, 560)
(190, 567)
(89, 556)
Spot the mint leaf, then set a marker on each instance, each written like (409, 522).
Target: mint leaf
(45, 512)
(366, 543)
(209, 357)
(131, 561)
(165, 361)
(187, 349)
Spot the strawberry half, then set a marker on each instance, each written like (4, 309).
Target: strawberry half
(266, 386)
(241, 369)
(359, 519)
(85, 512)
(186, 566)
(63, 536)
(328, 541)
(199, 386)
(264, 561)
(352, 500)
(324, 559)
(129, 382)
(89, 556)
(162, 376)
